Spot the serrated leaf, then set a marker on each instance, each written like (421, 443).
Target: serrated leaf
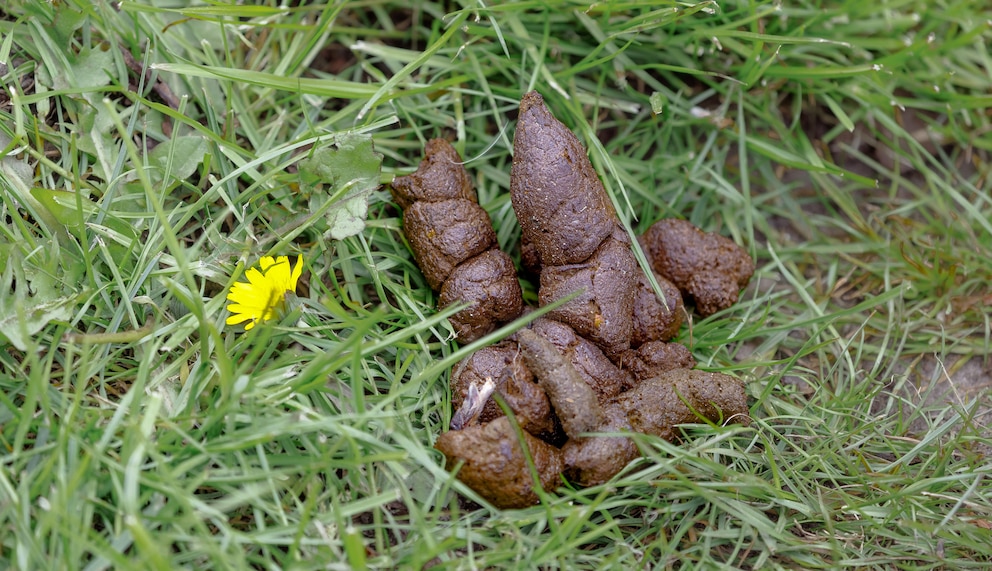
(186, 153)
(339, 180)
(349, 218)
(30, 299)
(92, 67)
(66, 22)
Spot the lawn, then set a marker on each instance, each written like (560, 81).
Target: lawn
(154, 152)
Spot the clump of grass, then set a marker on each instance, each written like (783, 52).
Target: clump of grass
(152, 152)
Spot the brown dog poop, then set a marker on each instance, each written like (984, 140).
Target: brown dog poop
(603, 310)
(440, 176)
(503, 365)
(489, 282)
(656, 319)
(562, 207)
(444, 234)
(655, 407)
(605, 378)
(571, 231)
(454, 243)
(684, 396)
(493, 463)
(656, 357)
(709, 269)
(596, 368)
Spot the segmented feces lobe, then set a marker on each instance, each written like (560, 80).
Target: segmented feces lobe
(567, 219)
(454, 243)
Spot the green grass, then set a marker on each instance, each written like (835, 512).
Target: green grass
(845, 144)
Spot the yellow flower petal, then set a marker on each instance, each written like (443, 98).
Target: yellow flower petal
(234, 319)
(297, 272)
(261, 297)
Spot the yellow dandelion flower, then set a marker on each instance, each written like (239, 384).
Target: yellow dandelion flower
(261, 298)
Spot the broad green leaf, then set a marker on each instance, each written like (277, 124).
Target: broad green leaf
(66, 22)
(93, 67)
(17, 176)
(180, 157)
(100, 140)
(349, 218)
(64, 207)
(61, 19)
(339, 180)
(31, 297)
(61, 204)
(121, 233)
